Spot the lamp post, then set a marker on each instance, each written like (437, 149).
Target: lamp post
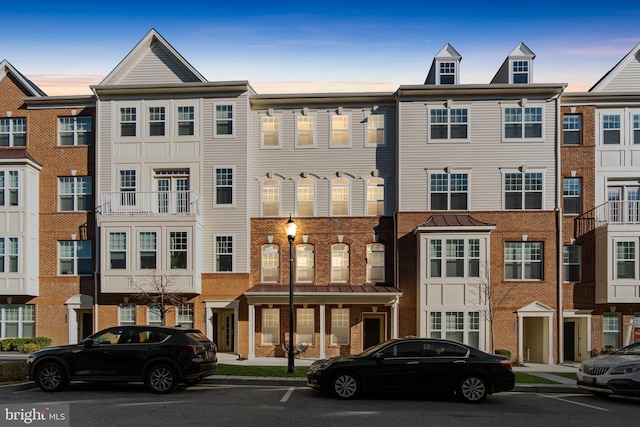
(290, 228)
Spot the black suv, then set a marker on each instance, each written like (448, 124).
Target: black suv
(162, 357)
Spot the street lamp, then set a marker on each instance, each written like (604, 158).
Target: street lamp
(290, 228)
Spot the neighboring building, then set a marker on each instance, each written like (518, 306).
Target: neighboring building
(463, 211)
(46, 206)
(601, 166)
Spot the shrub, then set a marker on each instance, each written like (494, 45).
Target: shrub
(504, 353)
(24, 345)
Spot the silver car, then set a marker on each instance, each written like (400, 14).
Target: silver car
(616, 373)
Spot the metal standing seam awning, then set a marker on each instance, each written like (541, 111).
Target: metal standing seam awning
(324, 294)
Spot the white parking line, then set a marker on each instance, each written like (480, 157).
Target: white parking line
(575, 403)
(287, 395)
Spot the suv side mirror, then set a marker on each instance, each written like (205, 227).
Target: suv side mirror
(88, 342)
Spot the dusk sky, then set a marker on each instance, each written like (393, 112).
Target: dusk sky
(327, 46)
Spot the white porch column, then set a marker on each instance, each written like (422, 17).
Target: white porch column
(252, 332)
(394, 319)
(72, 324)
(322, 331)
(520, 340)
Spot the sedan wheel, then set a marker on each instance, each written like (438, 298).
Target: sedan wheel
(162, 379)
(473, 389)
(51, 377)
(346, 386)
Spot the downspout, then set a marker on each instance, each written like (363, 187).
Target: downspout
(96, 216)
(559, 234)
(396, 273)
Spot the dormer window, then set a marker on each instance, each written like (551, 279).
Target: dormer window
(447, 73)
(520, 71)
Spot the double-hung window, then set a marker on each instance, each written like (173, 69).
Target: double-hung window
(224, 120)
(224, 253)
(270, 263)
(626, 260)
(271, 197)
(523, 190)
(448, 123)
(178, 249)
(454, 257)
(636, 128)
(74, 193)
(127, 314)
(17, 321)
(340, 326)
(270, 135)
(270, 324)
(9, 255)
(304, 263)
(185, 315)
(522, 122)
(128, 187)
(340, 125)
(375, 129)
(305, 197)
(375, 196)
(339, 197)
(305, 131)
(447, 73)
(157, 121)
(74, 257)
(148, 246)
(611, 129)
(13, 132)
(118, 250)
(572, 129)
(572, 193)
(375, 262)
(571, 263)
(611, 330)
(76, 130)
(9, 188)
(449, 191)
(224, 186)
(128, 121)
(340, 263)
(523, 260)
(305, 325)
(520, 71)
(154, 314)
(186, 120)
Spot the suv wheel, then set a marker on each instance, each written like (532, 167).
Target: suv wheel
(161, 379)
(51, 376)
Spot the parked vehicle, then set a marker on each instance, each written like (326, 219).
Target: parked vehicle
(616, 373)
(415, 365)
(161, 357)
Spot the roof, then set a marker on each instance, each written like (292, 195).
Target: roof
(28, 85)
(454, 220)
(521, 51)
(19, 154)
(324, 294)
(624, 71)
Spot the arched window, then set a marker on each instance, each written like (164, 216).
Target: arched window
(340, 263)
(305, 197)
(271, 197)
(375, 196)
(270, 263)
(339, 197)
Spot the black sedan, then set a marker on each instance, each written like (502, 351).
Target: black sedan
(415, 365)
(162, 357)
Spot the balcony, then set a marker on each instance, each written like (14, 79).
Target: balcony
(615, 212)
(135, 203)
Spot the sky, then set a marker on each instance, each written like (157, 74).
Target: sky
(325, 46)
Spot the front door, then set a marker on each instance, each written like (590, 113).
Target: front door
(223, 329)
(373, 325)
(569, 341)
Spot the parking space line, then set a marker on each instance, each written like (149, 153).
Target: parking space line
(575, 403)
(287, 395)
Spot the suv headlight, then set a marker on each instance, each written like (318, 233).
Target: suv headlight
(626, 369)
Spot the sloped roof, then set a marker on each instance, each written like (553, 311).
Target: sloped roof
(325, 294)
(453, 222)
(520, 51)
(153, 60)
(20, 155)
(623, 77)
(28, 85)
(446, 53)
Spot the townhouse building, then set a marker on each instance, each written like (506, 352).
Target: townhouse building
(497, 214)
(46, 204)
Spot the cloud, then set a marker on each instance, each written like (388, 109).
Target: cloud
(64, 84)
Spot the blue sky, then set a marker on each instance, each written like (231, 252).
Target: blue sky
(331, 46)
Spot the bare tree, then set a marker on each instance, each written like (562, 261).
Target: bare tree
(158, 291)
(490, 298)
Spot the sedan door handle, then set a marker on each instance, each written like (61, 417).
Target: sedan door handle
(459, 361)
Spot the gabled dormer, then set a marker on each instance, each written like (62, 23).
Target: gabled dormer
(624, 77)
(153, 61)
(445, 68)
(517, 68)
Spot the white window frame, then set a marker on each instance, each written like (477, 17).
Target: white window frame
(442, 251)
(380, 250)
(572, 124)
(312, 117)
(374, 185)
(156, 114)
(516, 68)
(523, 192)
(10, 255)
(523, 123)
(333, 128)
(305, 325)
(26, 315)
(608, 330)
(14, 126)
(126, 314)
(340, 262)
(277, 120)
(524, 261)
(275, 193)
(118, 250)
(127, 192)
(136, 121)
(77, 183)
(310, 255)
(184, 315)
(338, 193)
(76, 130)
(178, 120)
(568, 261)
(143, 249)
(448, 123)
(443, 323)
(633, 258)
(154, 314)
(10, 187)
(75, 256)
(447, 68)
(312, 193)
(270, 322)
(634, 125)
(216, 186)
(270, 261)
(179, 249)
(367, 128)
(449, 191)
(232, 119)
(569, 193)
(340, 327)
(227, 250)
